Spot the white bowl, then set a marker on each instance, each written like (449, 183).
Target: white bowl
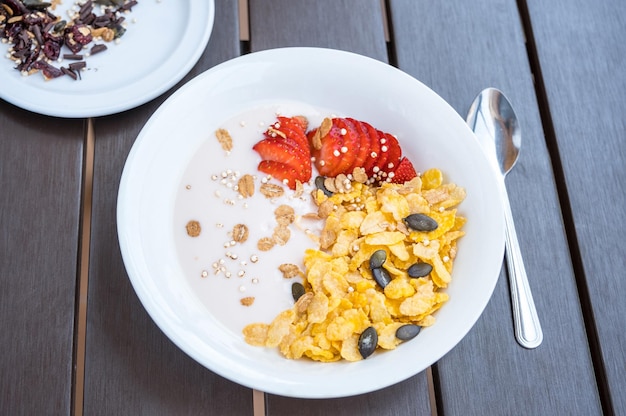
(431, 133)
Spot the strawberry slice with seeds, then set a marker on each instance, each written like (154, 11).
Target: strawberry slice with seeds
(374, 150)
(349, 145)
(364, 145)
(281, 150)
(394, 153)
(283, 172)
(328, 156)
(381, 162)
(293, 128)
(404, 172)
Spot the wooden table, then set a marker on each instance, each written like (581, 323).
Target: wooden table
(76, 340)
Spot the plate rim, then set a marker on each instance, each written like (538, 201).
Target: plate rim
(200, 23)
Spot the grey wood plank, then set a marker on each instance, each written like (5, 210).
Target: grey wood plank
(457, 50)
(40, 187)
(409, 397)
(582, 55)
(338, 25)
(131, 366)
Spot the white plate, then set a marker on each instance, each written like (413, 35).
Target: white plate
(157, 51)
(432, 135)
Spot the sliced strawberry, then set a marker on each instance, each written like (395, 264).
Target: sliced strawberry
(381, 160)
(293, 128)
(364, 145)
(372, 157)
(284, 173)
(349, 145)
(328, 157)
(404, 172)
(394, 153)
(278, 149)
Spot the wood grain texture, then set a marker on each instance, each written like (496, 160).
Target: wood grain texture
(131, 366)
(406, 398)
(459, 50)
(40, 188)
(338, 25)
(582, 54)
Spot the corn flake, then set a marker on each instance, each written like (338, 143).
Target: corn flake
(342, 299)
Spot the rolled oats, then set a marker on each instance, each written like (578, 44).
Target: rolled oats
(245, 186)
(223, 137)
(271, 190)
(240, 233)
(290, 270)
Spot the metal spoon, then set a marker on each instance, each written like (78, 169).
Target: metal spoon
(494, 123)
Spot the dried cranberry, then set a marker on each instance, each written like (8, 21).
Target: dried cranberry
(51, 49)
(82, 34)
(48, 70)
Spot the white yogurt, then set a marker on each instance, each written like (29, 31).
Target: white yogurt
(219, 272)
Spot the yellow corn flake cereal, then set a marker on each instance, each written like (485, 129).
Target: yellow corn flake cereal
(256, 334)
(279, 328)
(318, 308)
(392, 202)
(384, 238)
(399, 288)
(352, 219)
(342, 299)
(387, 335)
(343, 243)
(374, 222)
(432, 179)
(400, 251)
(350, 349)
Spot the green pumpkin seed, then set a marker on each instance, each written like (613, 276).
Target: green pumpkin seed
(420, 270)
(319, 184)
(297, 290)
(381, 276)
(368, 341)
(378, 259)
(420, 222)
(408, 331)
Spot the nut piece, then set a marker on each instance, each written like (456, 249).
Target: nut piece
(275, 132)
(326, 125)
(281, 235)
(299, 189)
(265, 244)
(325, 208)
(303, 302)
(240, 233)
(193, 228)
(322, 131)
(247, 301)
(223, 137)
(329, 183)
(245, 186)
(290, 270)
(285, 215)
(271, 190)
(359, 175)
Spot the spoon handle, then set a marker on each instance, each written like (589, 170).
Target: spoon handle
(527, 327)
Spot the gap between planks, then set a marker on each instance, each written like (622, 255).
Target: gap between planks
(547, 123)
(78, 385)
